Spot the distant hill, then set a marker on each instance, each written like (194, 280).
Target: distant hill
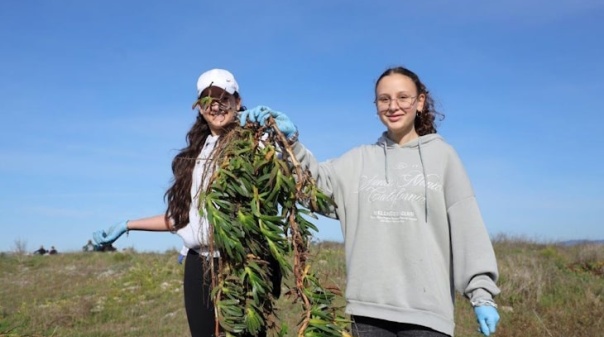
(581, 242)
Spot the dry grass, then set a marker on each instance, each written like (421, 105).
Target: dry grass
(547, 290)
(92, 294)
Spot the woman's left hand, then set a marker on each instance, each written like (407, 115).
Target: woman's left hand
(488, 317)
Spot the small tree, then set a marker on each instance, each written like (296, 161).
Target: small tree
(20, 247)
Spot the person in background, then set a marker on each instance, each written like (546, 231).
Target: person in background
(40, 251)
(105, 247)
(217, 104)
(413, 232)
(89, 247)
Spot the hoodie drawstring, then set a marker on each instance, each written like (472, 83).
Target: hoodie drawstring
(421, 160)
(383, 141)
(385, 162)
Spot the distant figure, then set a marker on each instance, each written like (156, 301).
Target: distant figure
(108, 247)
(89, 247)
(40, 251)
(52, 251)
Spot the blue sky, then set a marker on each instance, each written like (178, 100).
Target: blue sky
(95, 101)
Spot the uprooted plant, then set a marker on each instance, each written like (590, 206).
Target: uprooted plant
(260, 228)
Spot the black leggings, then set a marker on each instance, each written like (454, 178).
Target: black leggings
(373, 327)
(198, 289)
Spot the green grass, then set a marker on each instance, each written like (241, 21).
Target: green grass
(547, 290)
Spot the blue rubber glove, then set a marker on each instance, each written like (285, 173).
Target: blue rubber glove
(104, 237)
(488, 317)
(261, 113)
(180, 258)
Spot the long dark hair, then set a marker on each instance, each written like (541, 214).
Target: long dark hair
(178, 196)
(424, 120)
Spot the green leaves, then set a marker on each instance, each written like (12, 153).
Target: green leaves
(253, 204)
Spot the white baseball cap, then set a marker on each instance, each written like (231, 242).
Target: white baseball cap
(217, 78)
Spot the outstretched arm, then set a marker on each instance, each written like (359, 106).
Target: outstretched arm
(154, 223)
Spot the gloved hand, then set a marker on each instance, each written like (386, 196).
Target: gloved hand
(180, 258)
(108, 236)
(488, 317)
(261, 113)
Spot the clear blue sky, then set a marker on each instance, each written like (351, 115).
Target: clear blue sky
(95, 100)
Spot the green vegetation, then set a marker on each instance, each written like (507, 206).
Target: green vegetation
(547, 290)
(254, 206)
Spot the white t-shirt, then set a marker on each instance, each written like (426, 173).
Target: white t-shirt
(195, 234)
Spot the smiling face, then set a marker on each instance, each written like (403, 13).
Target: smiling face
(397, 101)
(218, 108)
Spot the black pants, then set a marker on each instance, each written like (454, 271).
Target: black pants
(372, 327)
(198, 290)
(198, 301)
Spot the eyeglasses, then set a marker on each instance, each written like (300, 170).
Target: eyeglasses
(403, 102)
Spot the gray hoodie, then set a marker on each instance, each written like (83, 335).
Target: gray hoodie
(413, 232)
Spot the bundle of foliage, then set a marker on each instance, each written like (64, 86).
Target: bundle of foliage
(254, 205)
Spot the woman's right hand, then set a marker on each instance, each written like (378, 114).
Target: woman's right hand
(261, 113)
(106, 237)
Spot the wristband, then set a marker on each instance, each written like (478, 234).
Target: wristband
(478, 303)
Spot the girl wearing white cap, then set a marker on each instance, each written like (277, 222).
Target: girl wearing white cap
(218, 102)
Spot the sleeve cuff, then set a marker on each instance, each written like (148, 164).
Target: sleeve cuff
(480, 295)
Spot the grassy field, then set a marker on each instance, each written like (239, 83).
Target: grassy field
(547, 290)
